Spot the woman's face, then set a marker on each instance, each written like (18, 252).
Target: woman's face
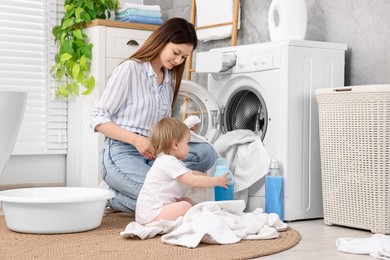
(174, 54)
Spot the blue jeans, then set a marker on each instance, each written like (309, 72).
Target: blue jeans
(124, 169)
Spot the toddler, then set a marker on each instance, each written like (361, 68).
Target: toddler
(162, 197)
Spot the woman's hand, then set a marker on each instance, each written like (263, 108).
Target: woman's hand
(143, 146)
(195, 127)
(141, 143)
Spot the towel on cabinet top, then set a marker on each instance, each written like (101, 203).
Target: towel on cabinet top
(124, 6)
(140, 19)
(138, 12)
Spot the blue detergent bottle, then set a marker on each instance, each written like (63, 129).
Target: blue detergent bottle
(274, 190)
(221, 193)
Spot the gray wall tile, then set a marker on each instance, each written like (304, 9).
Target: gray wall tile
(363, 25)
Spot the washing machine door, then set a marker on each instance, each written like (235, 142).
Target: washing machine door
(194, 100)
(245, 109)
(243, 104)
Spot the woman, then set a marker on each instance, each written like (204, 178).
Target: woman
(140, 92)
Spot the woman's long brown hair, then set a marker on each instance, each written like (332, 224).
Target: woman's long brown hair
(175, 30)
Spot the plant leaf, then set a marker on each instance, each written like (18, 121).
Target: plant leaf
(74, 53)
(67, 46)
(86, 51)
(74, 88)
(92, 13)
(86, 17)
(75, 70)
(89, 86)
(67, 23)
(90, 5)
(91, 82)
(69, 11)
(56, 31)
(63, 91)
(59, 74)
(79, 10)
(80, 77)
(83, 62)
(78, 34)
(65, 57)
(87, 91)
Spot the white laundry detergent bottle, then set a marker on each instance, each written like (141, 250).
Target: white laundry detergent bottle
(220, 193)
(274, 190)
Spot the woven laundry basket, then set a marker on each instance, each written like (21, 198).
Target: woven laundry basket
(354, 125)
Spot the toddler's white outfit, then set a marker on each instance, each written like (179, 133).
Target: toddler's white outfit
(160, 187)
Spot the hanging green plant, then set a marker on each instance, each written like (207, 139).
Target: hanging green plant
(73, 59)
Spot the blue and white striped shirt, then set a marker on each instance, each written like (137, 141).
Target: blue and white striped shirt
(133, 99)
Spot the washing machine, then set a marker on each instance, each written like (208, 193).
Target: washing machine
(268, 87)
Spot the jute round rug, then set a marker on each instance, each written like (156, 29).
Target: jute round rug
(105, 242)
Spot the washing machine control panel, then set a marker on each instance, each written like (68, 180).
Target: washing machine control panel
(257, 59)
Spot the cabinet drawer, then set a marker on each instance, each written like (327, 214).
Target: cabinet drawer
(111, 63)
(121, 43)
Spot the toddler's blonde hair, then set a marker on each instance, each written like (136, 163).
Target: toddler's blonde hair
(165, 132)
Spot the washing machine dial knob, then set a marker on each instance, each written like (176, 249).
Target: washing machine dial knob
(241, 63)
(255, 60)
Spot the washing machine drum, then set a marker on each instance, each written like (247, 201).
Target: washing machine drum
(246, 110)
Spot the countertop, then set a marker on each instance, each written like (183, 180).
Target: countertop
(112, 23)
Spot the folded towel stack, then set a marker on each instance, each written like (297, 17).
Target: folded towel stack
(137, 13)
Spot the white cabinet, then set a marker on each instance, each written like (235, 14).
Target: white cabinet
(112, 43)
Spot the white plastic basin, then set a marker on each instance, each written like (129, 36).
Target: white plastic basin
(54, 209)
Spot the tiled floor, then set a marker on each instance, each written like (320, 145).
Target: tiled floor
(318, 242)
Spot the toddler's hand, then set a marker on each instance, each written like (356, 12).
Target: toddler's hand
(223, 180)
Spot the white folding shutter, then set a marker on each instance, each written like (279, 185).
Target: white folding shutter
(26, 56)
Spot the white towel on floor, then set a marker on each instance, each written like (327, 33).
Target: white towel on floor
(248, 158)
(211, 222)
(214, 12)
(377, 246)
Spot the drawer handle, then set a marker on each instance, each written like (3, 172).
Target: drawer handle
(342, 89)
(132, 43)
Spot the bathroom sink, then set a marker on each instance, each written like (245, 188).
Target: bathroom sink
(12, 106)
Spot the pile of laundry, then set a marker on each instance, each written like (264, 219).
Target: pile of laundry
(137, 13)
(211, 222)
